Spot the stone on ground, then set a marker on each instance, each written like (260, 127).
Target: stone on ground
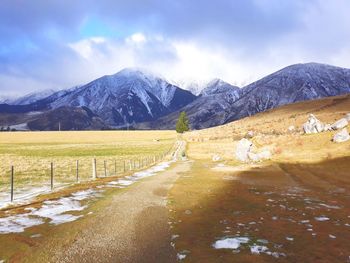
(242, 150)
(340, 124)
(341, 136)
(313, 125)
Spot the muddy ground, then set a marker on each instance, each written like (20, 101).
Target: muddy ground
(283, 212)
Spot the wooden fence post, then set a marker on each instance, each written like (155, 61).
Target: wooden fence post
(115, 167)
(124, 166)
(94, 173)
(77, 170)
(51, 176)
(12, 175)
(105, 166)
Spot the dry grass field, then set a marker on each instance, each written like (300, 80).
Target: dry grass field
(291, 208)
(271, 131)
(31, 154)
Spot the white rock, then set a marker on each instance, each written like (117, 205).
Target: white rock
(250, 134)
(313, 125)
(242, 149)
(253, 157)
(341, 136)
(347, 117)
(328, 127)
(291, 128)
(342, 123)
(260, 156)
(264, 155)
(216, 158)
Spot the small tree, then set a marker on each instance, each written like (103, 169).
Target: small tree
(182, 124)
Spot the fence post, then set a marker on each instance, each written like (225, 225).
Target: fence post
(105, 166)
(124, 166)
(94, 174)
(77, 170)
(12, 175)
(115, 167)
(51, 176)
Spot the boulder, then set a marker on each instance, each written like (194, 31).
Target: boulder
(327, 127)
(264, 155)
(216, 158)
(313, 125)
(342, 123)
(347, 117)
(245, 154)
(242, 150)
(341, 136)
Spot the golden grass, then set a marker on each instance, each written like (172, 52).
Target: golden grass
(271, 131)
(31, 153)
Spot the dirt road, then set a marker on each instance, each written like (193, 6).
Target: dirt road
(132, 228)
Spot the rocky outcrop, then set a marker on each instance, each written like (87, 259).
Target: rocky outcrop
(245, 153)
(243, 148)
(341, 136)
(313, 125)
(340, 124)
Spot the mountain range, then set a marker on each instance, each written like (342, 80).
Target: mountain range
(133, 98)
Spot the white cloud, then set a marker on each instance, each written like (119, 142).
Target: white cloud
(137, 38)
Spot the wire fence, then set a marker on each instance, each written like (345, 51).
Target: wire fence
(36, 175)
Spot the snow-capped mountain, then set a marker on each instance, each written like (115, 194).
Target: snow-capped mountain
(31, 97)
(208, 109)
(217, 86)
(127, 97)
(294, 83)
(143, 100)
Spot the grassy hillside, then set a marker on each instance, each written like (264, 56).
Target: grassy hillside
(271, 130)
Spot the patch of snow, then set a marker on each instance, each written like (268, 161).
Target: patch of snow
(321, 218)
(54, 210)
(230, 243)
(18, 223)
(257, 249)
(330, 206)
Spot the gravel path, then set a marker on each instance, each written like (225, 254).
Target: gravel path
(133, 228)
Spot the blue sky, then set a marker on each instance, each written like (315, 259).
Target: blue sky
(58, 44)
